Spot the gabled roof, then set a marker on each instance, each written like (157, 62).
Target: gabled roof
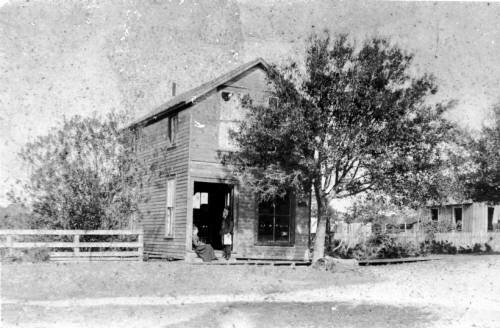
(189, 97)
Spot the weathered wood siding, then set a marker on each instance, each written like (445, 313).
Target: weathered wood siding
(474, 216)
(479, 217)
(166, 161)
(208, 119)
(468, 218)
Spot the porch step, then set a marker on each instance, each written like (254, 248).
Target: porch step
(240, 261)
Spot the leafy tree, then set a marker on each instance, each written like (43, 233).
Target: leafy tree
(14, 216)
(83, 175)
(379, 209)
(482, 174)
(350, 121)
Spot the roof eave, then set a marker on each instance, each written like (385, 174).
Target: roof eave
(162, 112)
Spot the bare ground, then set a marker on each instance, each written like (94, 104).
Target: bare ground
(461, 291)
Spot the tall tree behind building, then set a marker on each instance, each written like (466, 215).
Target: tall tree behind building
(83, 175)
(353, 120)
(481, 179)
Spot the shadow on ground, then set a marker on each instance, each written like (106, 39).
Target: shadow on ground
(297, 314)
(237, 315)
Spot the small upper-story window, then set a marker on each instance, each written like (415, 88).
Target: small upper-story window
(173, 122)
(226, 96)
(273, 102)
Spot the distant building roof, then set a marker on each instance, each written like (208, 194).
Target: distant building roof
(451, 202)
(192, 95)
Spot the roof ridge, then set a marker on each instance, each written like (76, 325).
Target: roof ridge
(191, 95)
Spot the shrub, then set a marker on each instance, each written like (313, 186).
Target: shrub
(33, 255)
(438, 247)
(477, 248)
(446, 247)
(379, 246)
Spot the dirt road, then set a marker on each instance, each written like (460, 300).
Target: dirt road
(461, 291)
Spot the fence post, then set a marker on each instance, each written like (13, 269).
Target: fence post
(140, 241)
(9, 241)
(9, 245)
(76, 245)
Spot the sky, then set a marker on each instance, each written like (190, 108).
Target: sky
(67, 57)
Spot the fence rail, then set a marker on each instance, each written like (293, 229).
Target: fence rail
(464, 239)
(77, 250)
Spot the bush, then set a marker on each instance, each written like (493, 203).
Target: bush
(446, 247)
(438, 247)
(84, 174)
(379, 246)
(33, 255)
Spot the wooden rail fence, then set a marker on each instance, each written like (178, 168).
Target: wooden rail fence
(76, 249)
(464, 239)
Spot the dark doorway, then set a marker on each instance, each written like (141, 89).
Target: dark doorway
(209, 200)
(434, 214)
(491, 211)
(458, 218)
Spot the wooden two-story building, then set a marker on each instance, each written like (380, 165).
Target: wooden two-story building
(182, 141)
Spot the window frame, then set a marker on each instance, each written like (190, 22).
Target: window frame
(437, 215)
(461, 208)
(269, 103)
(171, 184)
(172, 129)
(291, 233)
(488, 219)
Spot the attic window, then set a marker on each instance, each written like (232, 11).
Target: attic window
(226, 95)
(273, 102)
(173, 122)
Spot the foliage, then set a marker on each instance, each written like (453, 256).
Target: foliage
(352, 121)
(379, 209)
(446, 247)
(438, 247)
(14, 216)
(482, 180)
(432, 227)
(33, 255)
(84, 175)
(378, 246)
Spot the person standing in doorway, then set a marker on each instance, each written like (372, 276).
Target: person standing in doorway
(226, 232)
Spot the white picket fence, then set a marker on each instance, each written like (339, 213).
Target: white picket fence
(76, 249)
(457, 238)
(354, 233)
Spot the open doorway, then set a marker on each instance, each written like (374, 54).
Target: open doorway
(458, 218)
(491, 211)
(209, 200)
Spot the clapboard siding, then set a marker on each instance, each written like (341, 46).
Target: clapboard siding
(474, 216)
(205, 165)
(165, 161)
(204, 122)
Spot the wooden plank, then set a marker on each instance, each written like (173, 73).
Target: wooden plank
(396, 261)
(70, 232)
(95, 254)
(140, 250)
(93, 259)
(69, 245)
(76, 246)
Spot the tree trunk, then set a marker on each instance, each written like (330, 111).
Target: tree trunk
(319, 241)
